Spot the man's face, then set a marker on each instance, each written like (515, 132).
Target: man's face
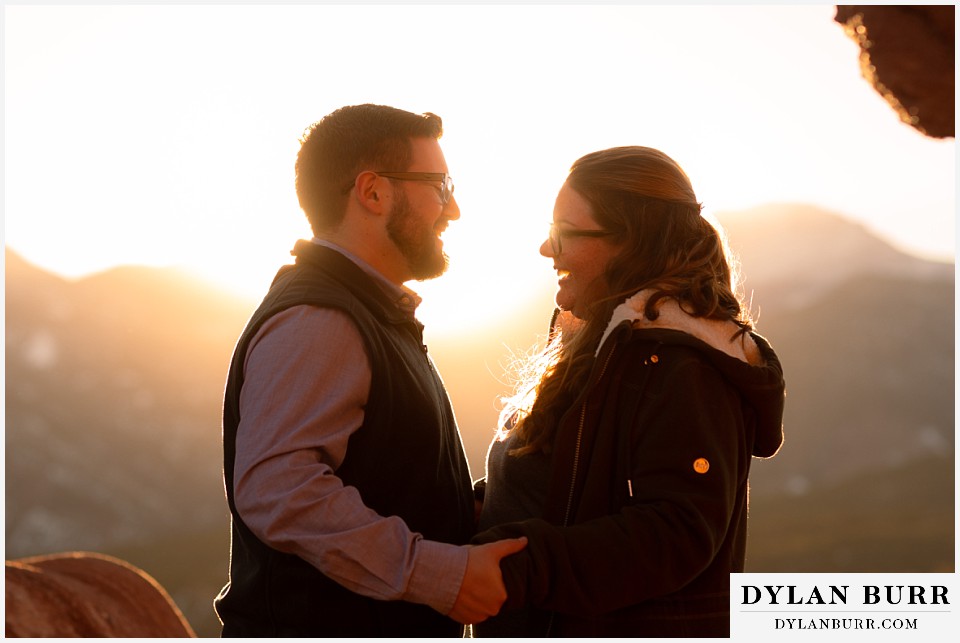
(419, 216)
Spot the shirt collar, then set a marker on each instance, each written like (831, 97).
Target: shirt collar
(406, 299)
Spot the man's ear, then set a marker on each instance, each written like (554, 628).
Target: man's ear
(370, 191)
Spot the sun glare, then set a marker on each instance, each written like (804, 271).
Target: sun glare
(495, 265)
(188, 161)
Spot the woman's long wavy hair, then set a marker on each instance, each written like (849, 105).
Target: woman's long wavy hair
(664, 244)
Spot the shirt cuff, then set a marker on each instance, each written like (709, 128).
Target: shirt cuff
(437, 575)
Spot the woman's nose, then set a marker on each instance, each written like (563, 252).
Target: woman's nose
(546, 249)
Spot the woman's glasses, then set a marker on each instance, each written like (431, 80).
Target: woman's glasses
(557, 235)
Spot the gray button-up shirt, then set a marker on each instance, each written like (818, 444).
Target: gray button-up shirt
(302, 398)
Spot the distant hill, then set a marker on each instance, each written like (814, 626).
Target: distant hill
(792, 254)
(866, 335)
(114, 385)
(112, 411)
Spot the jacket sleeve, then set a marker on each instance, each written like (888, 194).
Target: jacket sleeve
(674, 524)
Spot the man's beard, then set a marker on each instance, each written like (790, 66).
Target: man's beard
(416, 241)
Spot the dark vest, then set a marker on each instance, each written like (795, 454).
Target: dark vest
(406, 460)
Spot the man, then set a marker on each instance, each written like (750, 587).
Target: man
(348, 488)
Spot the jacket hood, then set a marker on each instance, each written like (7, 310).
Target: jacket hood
(747, 361)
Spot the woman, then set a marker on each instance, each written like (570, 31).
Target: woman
(624, 459)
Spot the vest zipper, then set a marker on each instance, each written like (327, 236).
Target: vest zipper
(417, 332)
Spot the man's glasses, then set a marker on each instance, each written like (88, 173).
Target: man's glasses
(446, 181)
(557, 235)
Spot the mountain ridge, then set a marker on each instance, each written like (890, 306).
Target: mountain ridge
(780, 243)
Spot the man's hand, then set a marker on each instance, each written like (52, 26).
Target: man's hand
(482, 592)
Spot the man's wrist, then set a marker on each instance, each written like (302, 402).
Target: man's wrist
(437, 575)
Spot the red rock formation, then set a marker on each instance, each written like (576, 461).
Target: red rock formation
(907, 54)
(87, 595)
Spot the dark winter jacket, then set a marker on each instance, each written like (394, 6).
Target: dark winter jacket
(649, 473)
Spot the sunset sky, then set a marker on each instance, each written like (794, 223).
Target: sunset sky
(166, 135)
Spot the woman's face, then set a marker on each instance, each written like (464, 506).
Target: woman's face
(580, 260)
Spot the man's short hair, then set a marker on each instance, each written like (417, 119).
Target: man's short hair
(339, 146)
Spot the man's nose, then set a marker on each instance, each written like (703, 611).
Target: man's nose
(452, 209)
